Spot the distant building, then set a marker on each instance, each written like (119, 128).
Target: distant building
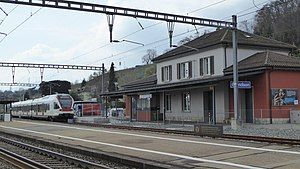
(193, 82)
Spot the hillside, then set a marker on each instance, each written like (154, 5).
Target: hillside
(93, 87)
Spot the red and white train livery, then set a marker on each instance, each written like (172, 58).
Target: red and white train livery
(57, 106)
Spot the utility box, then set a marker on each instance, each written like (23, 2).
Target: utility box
(6, 117)
(208, 130)
(295, 116)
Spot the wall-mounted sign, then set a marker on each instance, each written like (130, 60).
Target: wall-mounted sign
(282, 97)
(146, 96)
(242, 84)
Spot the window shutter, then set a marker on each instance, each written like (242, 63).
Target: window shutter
(190, 69)
(212, 70)
(178, 71)
(170, 73)
(201, 67)
(162, 74)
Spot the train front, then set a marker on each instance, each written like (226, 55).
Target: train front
(65, 103)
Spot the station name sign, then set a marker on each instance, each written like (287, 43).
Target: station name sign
(146, 96)
(242, 84)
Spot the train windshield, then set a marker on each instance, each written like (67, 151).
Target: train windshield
(65, 102)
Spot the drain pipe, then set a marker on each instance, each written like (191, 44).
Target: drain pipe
(270, 96)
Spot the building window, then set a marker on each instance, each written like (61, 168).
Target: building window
(186, 102)
(166, 73)
(207, 66)
(168, 102)
(143, 104)
(184, 70)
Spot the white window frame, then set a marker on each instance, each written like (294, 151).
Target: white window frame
(166, 73)
(184, 70)
(206, 67)
(186, 102)
(168, 104)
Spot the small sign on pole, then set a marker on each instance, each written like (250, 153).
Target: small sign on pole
(242, 85)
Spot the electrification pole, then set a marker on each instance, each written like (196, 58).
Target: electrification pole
(236, 122)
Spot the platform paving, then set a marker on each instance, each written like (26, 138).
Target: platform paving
(185, 151)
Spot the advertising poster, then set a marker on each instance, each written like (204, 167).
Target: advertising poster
(282, 97)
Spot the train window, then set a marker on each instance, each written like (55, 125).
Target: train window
(56, 106)
(65, 102)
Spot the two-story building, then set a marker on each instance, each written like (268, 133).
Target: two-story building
(193, 81)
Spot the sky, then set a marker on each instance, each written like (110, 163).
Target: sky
(58, 36)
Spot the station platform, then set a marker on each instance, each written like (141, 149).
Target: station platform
(178, 150)
(289, 131)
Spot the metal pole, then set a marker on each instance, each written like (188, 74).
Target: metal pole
(236, 122)
(214, 105)
(164, 110)
(102, 85)
(102, 90)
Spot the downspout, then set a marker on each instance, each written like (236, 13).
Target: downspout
(214, 106)
(270, 96)
(164, 107)
(225, 56)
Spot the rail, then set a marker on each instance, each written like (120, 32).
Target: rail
(19, 161)
(53, 155)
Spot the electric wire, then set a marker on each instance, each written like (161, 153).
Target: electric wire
(8, 14)
(164, 39)
(19, 25)
(91, 51)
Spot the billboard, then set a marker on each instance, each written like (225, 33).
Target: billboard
(281, 97)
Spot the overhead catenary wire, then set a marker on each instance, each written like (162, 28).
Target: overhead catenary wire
(147, 27)
(149, 44)
(2, 20)
(31, 15)
(121, 52)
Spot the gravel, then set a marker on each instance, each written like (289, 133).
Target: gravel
(6, 165)
(290, 131)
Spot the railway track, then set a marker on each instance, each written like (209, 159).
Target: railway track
(14, 160)
(22, 154)
(104, 159)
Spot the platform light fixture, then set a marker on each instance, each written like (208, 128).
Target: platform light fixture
(176, 46)
(129, 41)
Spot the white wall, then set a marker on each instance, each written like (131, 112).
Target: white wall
(218, 61)
(197, 107)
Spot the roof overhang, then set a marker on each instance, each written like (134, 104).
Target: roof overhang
(179, 85)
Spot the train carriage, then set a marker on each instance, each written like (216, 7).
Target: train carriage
(57, 106)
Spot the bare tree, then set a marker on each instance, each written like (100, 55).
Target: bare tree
(151, 54)
(279, 20)
(246, 26)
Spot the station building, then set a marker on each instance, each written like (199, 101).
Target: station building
(193, 82)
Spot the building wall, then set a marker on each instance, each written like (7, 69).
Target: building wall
(197, 108)
(128, 106)
(143, 116)
(285, 80)
(218, 61)
(262, 95)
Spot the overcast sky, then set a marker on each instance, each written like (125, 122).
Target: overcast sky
(71, 37)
